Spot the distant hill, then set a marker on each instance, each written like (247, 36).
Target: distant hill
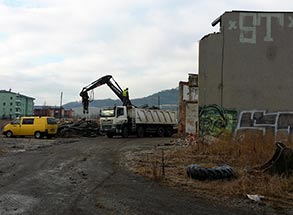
(166, 98)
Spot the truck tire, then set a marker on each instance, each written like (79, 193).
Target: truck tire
(169, 132)
(9, 134)
(125, 132)
(38, 135)
(161, 132)
(195, 171)
(140, 132)
(110, 135)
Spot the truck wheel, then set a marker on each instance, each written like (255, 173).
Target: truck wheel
(161, 132)
(9, 134)
(38, 135)
(110, 135)
(125, 132)
(140, 132)
(169, 132)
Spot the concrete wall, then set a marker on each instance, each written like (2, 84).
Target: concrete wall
(188, 105)
(210, 72)
(247, 67)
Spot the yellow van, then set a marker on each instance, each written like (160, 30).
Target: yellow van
(38, 126)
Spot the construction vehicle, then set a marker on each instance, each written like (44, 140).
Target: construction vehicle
(127, 119)
(107, 79)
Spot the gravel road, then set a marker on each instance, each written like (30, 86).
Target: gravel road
(84, 176)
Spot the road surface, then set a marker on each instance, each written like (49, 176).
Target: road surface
(86, 177)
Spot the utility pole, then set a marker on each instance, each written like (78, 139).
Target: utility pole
(159, 102)
(61, 105)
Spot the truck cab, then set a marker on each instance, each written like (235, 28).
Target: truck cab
(114, 120)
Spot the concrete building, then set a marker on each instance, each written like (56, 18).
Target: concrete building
(53, 111)
(13, 105)
(247, 68)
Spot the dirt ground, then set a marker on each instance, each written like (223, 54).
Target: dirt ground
(92, 176)
(167, 162)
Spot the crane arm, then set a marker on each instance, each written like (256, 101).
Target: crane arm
(108, 79)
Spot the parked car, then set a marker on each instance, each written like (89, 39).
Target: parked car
(38, 126)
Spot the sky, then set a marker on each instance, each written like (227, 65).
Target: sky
(53, 46)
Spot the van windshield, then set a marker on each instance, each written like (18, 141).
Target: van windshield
(16, 121)
(51, 121)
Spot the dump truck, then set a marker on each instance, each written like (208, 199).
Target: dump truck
(128, 119)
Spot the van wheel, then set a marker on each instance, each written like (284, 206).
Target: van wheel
(38, 135)
(9, 134)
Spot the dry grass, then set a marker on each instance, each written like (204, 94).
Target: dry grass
(244, 156)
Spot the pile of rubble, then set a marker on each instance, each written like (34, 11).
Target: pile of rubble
(83, 127)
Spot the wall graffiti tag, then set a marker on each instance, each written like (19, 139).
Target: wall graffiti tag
(248, 22)
(265, 122)
(214, 120)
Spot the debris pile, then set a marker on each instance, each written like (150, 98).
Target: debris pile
(83, 127)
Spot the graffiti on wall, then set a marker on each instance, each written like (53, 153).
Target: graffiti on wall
(264, 122)
(248, 22)
(214, 120)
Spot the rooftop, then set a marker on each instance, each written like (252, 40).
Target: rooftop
(216, 21)
(9, 91)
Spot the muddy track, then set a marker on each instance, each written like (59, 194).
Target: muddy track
(85, 177)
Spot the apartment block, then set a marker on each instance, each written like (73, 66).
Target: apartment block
(13, 105)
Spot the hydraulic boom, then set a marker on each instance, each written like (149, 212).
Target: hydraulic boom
(107, 79)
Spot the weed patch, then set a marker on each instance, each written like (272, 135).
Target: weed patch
(244, 155)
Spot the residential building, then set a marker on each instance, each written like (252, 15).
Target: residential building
(53, 111)
(13, 105)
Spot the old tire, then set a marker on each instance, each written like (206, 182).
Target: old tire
(195, 171)
(125, 132)
(161, 132)
(9, 134)
(38, 135)
(140, 132)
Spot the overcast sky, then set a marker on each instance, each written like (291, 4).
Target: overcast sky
(53, 46)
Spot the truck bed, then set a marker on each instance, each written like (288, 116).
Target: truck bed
(154, 116)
